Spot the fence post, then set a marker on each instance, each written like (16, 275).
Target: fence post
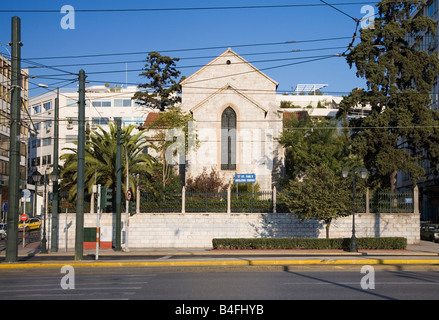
(416, 200)
(137, 200)
(228, 199)
(183, 200)
(274, 197)
(367, 200)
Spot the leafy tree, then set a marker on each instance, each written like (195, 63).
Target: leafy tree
(100, 159)
(322, 195)
(312, 143)
(173, 119)
(400, 132)
(163, 89)
(316, 153)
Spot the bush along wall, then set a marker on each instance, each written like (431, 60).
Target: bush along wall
(390, 243)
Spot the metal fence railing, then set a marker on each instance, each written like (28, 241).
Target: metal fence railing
(385, 201)
(245, 201)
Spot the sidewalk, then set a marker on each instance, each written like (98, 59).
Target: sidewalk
(424, 254)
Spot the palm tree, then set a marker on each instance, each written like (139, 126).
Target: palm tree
(100, 159)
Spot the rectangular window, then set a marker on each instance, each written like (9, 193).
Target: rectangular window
(37, 108)
(35, 162)
(47, 159)
(47, 106)
(47, 141)
(101, 103)
(101, 121)
(71, 138)
(122, 102)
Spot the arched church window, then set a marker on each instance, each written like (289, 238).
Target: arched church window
(228, 139)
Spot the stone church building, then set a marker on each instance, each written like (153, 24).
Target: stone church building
(237, 120)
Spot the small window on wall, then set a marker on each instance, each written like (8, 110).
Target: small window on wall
(37, 108)
(228, 139)
(122, 102)
(47, 106)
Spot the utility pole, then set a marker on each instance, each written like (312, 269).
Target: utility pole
(118, 246)
(55, 175)
(79, 239)
(14, 144)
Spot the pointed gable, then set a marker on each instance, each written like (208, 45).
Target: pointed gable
(228, 69)
(227, 58)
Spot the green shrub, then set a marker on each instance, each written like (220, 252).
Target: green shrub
(396, 243)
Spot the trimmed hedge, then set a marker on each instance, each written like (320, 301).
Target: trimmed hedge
(394, 243)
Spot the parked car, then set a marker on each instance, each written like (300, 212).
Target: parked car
(430, 232)
(31, 224)
(3, 230)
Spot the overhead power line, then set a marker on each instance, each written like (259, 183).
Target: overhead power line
(187, 8)
(190, 49)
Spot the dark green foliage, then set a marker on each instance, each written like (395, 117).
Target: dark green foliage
(401, 131)
(163, 86)
(390, 243)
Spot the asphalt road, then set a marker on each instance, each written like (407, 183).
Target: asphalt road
(137, 283)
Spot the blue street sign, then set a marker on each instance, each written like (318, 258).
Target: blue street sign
(245, 178)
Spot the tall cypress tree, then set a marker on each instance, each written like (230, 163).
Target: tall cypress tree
(401, 130)
(163, 89)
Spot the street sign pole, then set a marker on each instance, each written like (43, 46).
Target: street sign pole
(97, 222)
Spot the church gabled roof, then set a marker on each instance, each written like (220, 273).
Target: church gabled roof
(228, 52)
(235, 91)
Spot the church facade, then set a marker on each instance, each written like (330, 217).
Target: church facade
(237, 121)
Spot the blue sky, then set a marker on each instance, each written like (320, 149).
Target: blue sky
(145, 31)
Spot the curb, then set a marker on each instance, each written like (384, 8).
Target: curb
(223, 263)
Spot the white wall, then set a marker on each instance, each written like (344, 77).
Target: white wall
(176, 230)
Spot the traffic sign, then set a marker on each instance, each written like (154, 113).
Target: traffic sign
(26, 193)
(245, 178)
(24, 217)
(129, 195)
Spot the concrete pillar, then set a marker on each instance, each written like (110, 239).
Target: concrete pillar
(183, 200)
(228, 200)
(416, 199)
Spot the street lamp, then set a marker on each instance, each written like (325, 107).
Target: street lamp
(363, 172)
(54, 239)
(44, 240)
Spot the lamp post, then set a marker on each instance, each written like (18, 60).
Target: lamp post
(44, 240)
(54, 235)
(363, 172)
(54, 239)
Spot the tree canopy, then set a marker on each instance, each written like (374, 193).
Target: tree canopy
(100, 159)
(163, 89)
(401, 131)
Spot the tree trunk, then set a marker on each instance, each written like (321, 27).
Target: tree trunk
(328, 225)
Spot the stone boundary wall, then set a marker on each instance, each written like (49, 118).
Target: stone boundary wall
(177, 230)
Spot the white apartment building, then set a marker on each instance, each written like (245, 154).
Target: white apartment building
(103, 105)
(5, 115)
